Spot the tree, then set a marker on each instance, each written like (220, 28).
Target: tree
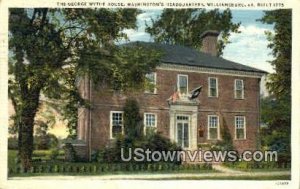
(49, 46)
(185, 26)
(276, 114)
(132, 119)
(279, 83)
(276, 109)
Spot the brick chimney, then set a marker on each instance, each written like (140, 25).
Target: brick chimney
(209, 42)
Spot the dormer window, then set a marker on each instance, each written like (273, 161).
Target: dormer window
(182, 84)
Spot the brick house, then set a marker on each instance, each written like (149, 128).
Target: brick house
(230, 95)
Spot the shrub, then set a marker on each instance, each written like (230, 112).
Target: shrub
(54, 153)
(70, 153)
(13, 143)
(132, 119)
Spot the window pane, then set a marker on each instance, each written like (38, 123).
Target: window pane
(182, 118)
(150, 87)
(213, 82)
(150, 130)
(240, 122)
(213, 92)
(117, 123)
(150, 77)
(186, 136)
(213, 127)
(240, 133)
(150, 120)
(239, 94)
(116, 130)
(239, 88)
(179, 133)
(183, 84)
(213, 86)
(213, 133)
(213, 122)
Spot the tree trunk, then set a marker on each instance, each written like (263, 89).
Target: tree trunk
(25, 128)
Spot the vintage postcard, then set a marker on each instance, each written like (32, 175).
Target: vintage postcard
(122, 94)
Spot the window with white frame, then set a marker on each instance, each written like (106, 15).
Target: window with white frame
(213, 127)
(213, 87)
(240, 127)
(151, 83)
(182, 84)
(239, 89)
(150, 120)
(116, 123)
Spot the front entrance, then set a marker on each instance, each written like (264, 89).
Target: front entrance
(183, 124)
(182, 127)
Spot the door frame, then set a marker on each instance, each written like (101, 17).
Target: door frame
(189, 128)
(190, 110)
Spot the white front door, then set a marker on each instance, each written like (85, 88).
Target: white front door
(183, 131)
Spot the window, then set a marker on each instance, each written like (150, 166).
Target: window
(149, 123)
(240, 127)
(213, 87)
(151, 84)
(182, 84)
(116, 123)
(239, 89)
(213, 127)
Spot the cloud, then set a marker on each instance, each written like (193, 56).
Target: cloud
(250, 47)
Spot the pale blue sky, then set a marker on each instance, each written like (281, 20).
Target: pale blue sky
(248, 47)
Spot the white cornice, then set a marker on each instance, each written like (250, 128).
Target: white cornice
(196, 69)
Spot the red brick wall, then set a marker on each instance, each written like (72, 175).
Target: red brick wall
(224, 105)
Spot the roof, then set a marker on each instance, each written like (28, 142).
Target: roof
(181, 55)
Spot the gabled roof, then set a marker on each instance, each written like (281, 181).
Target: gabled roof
(181, 55)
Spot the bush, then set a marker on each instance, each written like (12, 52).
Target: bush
(155, 142)
(70, 153)
(13, 143)
(45, 142)
(54, 153)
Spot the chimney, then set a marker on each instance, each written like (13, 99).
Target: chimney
(209, 42)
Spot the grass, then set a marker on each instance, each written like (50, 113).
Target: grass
(45, 154)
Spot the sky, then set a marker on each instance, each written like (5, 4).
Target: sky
(248, 47)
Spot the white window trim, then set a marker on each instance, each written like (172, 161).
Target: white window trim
(235, 94)
(217, 87)
(155, 88)
(110, 123)
(218, 127)
(155, 124)
(187, 82)
(235, 128)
